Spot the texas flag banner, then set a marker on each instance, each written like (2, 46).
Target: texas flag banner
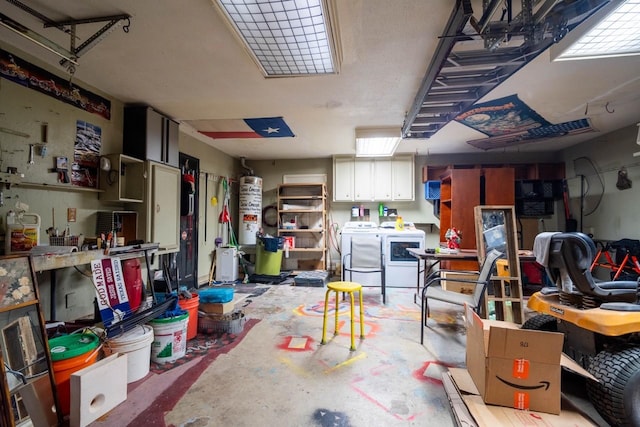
(266, 127)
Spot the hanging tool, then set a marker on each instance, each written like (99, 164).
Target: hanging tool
(206, 197)
(31, 151)
(61, 169)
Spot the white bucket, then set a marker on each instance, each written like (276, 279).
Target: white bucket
(137, 344)
(169, 338)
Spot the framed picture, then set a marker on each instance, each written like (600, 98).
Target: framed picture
(17, 287)
(25, 362)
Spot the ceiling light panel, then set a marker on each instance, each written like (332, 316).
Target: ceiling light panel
(618, 34)
(377, 142)
(285, 37)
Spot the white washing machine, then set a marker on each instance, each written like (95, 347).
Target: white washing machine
(355, 228)
(401, 268)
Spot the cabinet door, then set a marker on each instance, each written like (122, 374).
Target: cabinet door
(343, 179)
(165, 207)
(149, 135)
(403, 178)
(382, 179)
(172, 132)
(363, 180)
(155, 135)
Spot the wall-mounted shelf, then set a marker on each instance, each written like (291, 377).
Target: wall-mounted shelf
(124, 181)
(59, 187)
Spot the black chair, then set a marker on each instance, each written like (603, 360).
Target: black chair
(365, 257)
(569, 267)
(433, 290)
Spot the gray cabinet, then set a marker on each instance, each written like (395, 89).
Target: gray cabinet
(149, 135)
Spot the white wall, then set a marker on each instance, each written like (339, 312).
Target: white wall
(614, 210)
(24, 110)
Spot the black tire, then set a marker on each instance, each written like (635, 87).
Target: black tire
(617, 394)
(541, 322)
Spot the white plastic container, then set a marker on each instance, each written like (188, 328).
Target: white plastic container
(226, 264)
(136, 343)
(23, 232)
(169, 338)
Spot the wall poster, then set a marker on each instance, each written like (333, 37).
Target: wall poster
(86, 155)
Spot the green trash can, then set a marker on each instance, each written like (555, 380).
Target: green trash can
(269, 255)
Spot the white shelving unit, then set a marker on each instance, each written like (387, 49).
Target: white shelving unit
(302, 217)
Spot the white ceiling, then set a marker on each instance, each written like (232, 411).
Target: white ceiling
(182, 59)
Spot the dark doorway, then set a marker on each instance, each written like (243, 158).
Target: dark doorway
(187, 258)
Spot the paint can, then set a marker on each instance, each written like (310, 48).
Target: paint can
(136, 343)
(190, 305)
(169, 338)
(70, 353)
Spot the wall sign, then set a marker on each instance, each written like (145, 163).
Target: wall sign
(26, 74)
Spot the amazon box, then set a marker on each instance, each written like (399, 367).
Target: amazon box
(514, 367)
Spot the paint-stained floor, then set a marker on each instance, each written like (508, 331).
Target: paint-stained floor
(280, 375)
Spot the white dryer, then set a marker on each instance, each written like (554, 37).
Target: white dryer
(401, 268)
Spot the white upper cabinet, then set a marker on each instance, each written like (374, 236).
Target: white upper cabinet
(402, 178)
(343, 179)
(381, 179)
(361, 179)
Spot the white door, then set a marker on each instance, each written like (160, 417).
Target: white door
(363, 180)
(402, 178)
(343, 179)
(382, 179)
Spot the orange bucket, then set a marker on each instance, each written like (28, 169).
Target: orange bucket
(190, 305)
(70, 353)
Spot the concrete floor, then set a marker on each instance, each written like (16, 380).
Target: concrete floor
(280, 375)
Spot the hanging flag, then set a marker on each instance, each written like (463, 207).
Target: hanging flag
(266, 127)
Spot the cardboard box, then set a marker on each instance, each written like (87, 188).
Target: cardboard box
(469, 409)
(222, 307)
(514, 367)
(460, 287)
(217, 307)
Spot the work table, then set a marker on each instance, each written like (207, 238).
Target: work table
(54, 260)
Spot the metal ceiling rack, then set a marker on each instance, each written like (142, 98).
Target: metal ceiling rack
(470, 59)
(69, 56)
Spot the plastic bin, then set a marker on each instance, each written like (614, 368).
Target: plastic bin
(215, 295)
(70, 353)
(269, 255)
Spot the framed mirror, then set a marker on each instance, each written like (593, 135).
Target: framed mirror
(27, 383)
(495, 229)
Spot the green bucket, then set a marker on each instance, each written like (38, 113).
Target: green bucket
(267, 263)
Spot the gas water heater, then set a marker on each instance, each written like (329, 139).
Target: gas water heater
(250, 209)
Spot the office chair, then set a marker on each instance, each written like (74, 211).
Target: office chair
(433, 290)
(365, 257)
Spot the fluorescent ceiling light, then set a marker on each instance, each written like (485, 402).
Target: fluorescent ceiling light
(378, 142)
(617, 34)
(285, 37)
